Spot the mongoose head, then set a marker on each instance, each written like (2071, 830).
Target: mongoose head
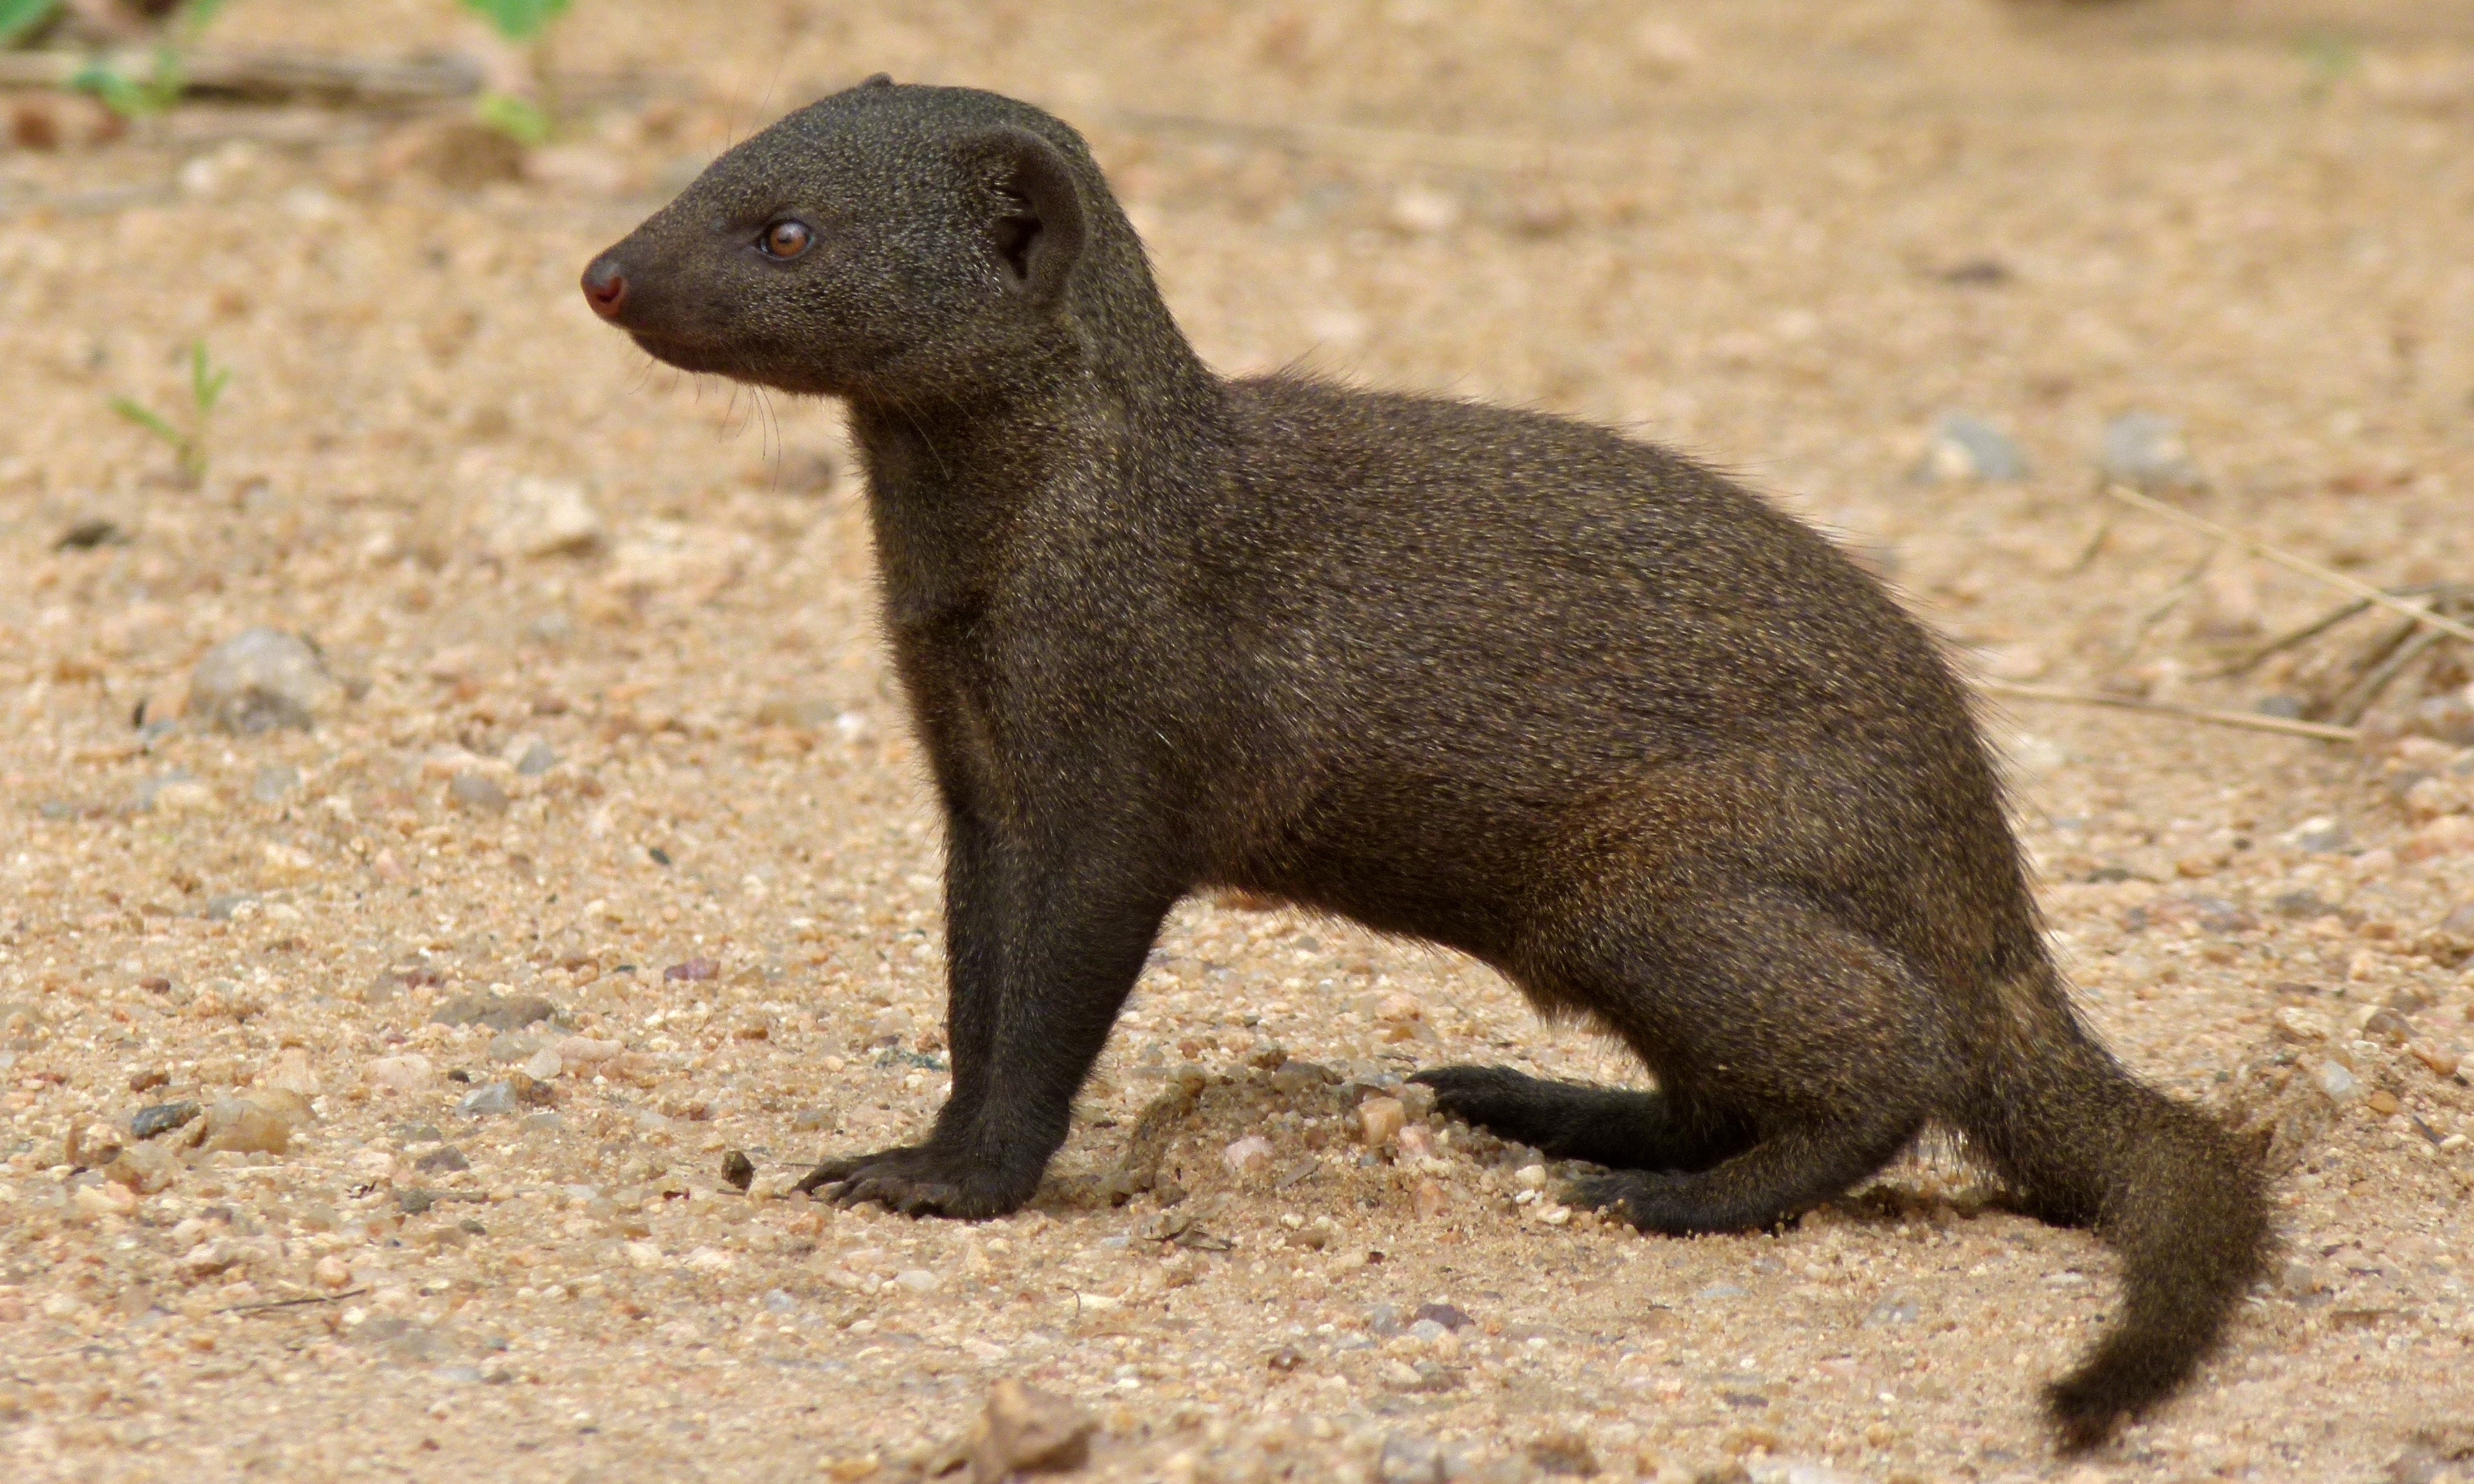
(886, 243)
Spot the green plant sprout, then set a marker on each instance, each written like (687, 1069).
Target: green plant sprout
(2331, 57)
(165, 82)
(525, 120)
(188, 444)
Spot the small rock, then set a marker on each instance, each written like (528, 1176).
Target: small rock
(1895, 1309)
(273, 784)
(512, 1013)
(1442, 1314)
(1416, 1143)
(1429, 1200)
(161, 1118)
(489, 1100)
(1380, 1120)
(544, 1065)
(1027, 1431)
(696, 970)
(2382, 1103)
(90, 533)
(511, 1046)
(245, 1127)
(1248, 1154)
(444, 1159)
(2320, 835)
(1964, 446)
(331, 1273)
(260, 680)
(291, 1073)
(474, 789)
(545, 1122)
(144, 1168)
(2299, 1026)
(583, 1051)
(2442, 1060)
(2145, 450)
(2338, 1081)
(530, 757)
(410, 1073)
(737, 1171)
(918, 1281)
(533, 517)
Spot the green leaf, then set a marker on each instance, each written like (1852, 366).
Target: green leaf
(517, 118)
(518, 20)
(149, 422)
(19, 16)
(205, 386)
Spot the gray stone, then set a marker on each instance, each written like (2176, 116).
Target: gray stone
(260, 680)
(1895, 1309)
(513, 1046)
(220, 905)
(2146, 449)
(1443, 1314)
(444, 1159)
(1965, 447)
(144, 798)
(543, 1122)
(273, 783)
(488, 1100)
(161, 1118)
(476, 790)
(537, 760)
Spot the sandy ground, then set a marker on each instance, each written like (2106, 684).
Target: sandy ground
(1785, 235)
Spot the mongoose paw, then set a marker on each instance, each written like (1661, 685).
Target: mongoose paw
(1496, 1098)
(917, 1181)
(1633, 1195)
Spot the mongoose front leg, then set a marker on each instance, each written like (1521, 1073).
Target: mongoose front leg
(1043, 946)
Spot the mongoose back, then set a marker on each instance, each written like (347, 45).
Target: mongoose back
(1569, 703)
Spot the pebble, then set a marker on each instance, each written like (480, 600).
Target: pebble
(245, 1127)
(511, 1012)
(1965, 447)
(1026, 1430)
(530, 757)
(161, 1118)
(1443, 1314)
(1429, 1200)
(474, 789)
(544, 1065)
(737, 1171)
(272, 784)
(511, 1046)
(488, 1100)
(410, 1073)
(2338, 1081)
(260, 680)
(918, 1281)
(144, 1168)
(583, 1051)
(697, 970)
(330, 1271)
(444, 1159)
(2146, 449)
(1380, 1120)
(533, 517)
(1251, 1153)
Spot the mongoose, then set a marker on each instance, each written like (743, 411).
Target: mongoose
(1574, 705)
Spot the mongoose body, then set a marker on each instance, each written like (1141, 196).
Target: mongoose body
(1569, 703)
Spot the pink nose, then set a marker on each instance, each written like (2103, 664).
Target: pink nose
(605, 287)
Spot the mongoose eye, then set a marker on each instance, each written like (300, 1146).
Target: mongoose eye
(785, 239)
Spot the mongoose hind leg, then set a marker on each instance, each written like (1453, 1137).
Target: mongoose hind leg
(1620, 1129)
(1808, 1052)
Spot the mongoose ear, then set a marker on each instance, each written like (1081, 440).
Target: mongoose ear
(1037, 232)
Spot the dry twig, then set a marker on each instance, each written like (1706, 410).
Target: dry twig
(2319, 731)
(2421, 613)
(264, 75)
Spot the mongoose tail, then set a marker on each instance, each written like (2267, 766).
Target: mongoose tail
(2160, 1182)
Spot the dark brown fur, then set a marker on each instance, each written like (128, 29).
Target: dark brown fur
(1573, 705)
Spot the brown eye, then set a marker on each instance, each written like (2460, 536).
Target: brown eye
(785, 239)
